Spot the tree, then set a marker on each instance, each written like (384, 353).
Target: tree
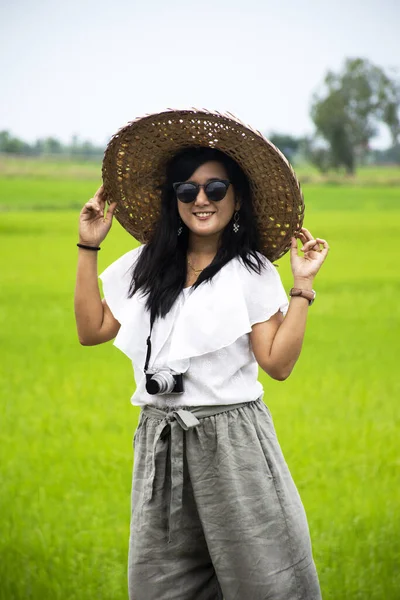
(12, 145)
(287, 144)
(48, 145)
(350, 108)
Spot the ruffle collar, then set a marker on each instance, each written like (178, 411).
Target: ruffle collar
(202, 320)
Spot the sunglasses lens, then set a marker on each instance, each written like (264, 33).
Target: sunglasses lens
(216, 190)
(186, 192)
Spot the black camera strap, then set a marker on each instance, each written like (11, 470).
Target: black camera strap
(148, 341)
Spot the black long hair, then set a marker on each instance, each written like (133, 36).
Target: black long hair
(160, 272)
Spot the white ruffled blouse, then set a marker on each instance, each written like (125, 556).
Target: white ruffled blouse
(205, 335)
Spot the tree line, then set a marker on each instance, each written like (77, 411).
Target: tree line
(348, 112)
(10, 144)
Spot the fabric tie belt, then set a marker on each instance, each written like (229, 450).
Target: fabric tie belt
(179, 420)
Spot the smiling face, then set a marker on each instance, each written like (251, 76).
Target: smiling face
(204, 217)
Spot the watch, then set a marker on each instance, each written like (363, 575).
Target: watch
(309, 294)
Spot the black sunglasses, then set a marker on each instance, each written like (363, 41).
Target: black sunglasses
(215, 190)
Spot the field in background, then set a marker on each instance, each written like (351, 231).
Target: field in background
(35, 183)
(67, 424)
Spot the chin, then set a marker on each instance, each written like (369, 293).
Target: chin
(203, 232)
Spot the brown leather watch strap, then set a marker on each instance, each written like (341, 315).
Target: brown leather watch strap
(309, 294)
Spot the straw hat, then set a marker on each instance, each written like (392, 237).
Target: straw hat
(136, 157)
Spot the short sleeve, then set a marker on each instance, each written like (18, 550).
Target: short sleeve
(116, 280)
(264, 293)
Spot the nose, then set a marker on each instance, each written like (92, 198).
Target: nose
(201, 198)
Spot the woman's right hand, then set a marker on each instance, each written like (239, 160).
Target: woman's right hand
(93, 225)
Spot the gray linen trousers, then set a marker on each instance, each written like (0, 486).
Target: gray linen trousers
(215, 511)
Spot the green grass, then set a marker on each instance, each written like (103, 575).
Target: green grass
(371, 175)
(67, 423)
(41, 183)
(41, 194)
(48, 167)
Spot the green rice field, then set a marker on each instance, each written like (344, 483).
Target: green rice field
(66, 422)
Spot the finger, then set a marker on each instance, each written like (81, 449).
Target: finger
(100, 197)
(110, 211)
(302, 238)
(294, 247)
(325, 249)
(90, 205)
(323, 242)
(93, 207)
(100, 191)
(310, 245)
(307, 233)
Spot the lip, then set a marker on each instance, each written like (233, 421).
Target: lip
(203, 218)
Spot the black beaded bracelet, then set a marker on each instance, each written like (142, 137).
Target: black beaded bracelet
(95, 248)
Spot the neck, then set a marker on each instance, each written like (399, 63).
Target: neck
(203, 246)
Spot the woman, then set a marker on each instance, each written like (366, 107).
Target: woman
(197, 307)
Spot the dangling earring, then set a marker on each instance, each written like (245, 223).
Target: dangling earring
(236, 222)
(180, 228)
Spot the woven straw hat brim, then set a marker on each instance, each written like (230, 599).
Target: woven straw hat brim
(136, 157)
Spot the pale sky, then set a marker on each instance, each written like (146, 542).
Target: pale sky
(87, 67)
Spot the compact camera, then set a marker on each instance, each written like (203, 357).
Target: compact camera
(164, 381)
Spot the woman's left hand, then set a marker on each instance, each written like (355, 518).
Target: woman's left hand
(307, 266)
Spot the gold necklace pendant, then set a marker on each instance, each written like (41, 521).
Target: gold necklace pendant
(192, 267)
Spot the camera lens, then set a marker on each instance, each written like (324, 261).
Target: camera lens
(162, 382)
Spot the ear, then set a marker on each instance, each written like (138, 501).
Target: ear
(238, 202)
